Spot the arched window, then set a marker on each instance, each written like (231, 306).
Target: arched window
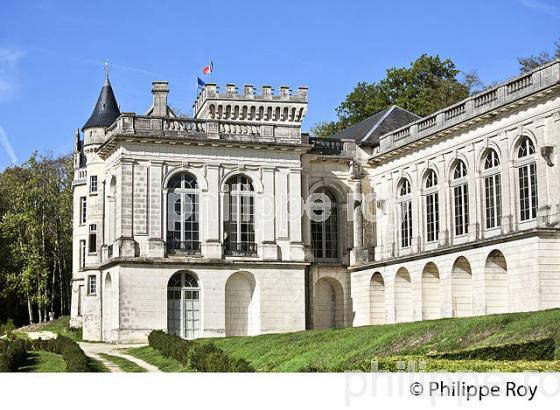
(324, 225)
(432, 206)
(405, 202)
(528, 199)
(183, 305)
(492, 189)
(239, 217)
(460, 188)
(183, 230)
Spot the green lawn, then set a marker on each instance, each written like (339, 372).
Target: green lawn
(96, 366)
(124, 364)
(153, 357)
(60, 326)
(350, 348)
(43, 362)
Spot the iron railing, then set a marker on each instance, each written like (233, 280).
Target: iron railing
(240, 249)
(183, 247)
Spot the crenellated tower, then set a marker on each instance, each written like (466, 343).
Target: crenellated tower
(279, 113)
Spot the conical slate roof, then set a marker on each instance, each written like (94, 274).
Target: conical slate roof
(106, 110)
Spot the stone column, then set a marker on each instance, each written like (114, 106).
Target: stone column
(445, 227)
(124, 209)
(358, 254)
(156, 242)
(475, 200)
(306, 223)
(270, 213)
(508, 194)
(211, 209)
(295, 213)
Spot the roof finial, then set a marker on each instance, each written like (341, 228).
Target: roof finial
(106, 68)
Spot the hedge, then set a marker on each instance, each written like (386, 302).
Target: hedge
(75, 358)
(13, 354)
(203, 357)
(542, 349)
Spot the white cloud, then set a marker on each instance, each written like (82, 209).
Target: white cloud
(10, 56)
(9, 59)
(552, 10)
(5, 142)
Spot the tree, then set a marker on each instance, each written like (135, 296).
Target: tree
(36, 236)
(529, 63)
(428, 85)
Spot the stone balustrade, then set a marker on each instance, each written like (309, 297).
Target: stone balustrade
(161, 127)
(474, 107)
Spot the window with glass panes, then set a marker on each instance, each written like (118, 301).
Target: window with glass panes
(528, 200)
(492, 190)
(324, 225)
(432, 206)
(239, 221)
(183, 306)
(405, 213)
(460, 198)
(183, 229)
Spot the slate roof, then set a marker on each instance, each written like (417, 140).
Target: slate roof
(106, 110)
(368, 131)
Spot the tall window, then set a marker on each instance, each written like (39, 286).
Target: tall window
(82, 254)
(183, 306)
(492, 190)
(183, 228)
(460, 198)
(83, 210)
(324, 225)
(528, 200)
(93, 183)
(405, 204)
(92, 238)
(92, 285)
(432, 206)
(239, 218)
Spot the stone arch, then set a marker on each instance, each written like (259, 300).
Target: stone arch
(403, 296)
(451, 166)
(253, 176)
(328, 309)
(198, 174)
(431, 293)
(338, 189)
(108, 309)
(496, 283)
(242, 305)
(484, 151)
(377, 299)
(461, 288)
(526, 134)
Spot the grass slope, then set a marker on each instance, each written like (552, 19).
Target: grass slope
(43, 362)
(124, 364)
(348, 348)
(153, 357)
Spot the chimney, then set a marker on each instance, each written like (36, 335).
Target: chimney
(160, 89)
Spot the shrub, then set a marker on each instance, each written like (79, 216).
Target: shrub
(75, 358)
(203, 357)
(170, 345)
(209, 358)
(542, 349)
(13, 354)
(8, 327)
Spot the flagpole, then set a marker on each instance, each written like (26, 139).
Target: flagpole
(211, 69)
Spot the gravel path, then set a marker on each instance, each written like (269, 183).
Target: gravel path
(93, 350)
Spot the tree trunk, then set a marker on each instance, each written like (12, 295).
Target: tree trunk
(29, 310)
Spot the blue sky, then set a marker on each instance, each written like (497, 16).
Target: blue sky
(52, 52)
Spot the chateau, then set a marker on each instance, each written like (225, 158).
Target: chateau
(234, 222)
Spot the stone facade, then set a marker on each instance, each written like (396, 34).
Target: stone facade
(254, 260)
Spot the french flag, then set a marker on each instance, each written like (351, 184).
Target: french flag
(209, 68)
